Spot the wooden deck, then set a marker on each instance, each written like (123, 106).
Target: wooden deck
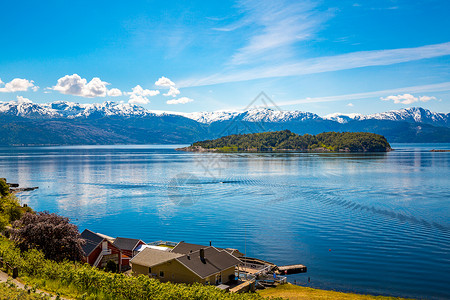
(291, 269)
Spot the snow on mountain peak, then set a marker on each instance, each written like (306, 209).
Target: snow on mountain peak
(72, 110)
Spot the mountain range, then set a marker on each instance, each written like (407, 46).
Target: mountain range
(68, 123)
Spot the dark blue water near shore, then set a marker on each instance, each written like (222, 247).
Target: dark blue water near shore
(369, 223)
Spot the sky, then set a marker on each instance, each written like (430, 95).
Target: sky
(361, 56)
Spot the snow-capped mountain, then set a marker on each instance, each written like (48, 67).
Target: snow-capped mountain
(252, 115)
(211, 117)
(341, 118)
(71, 110)
(26, 123)
(411, 115)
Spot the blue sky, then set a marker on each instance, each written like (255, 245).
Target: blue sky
(318, 56)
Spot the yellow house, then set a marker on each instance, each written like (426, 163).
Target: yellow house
(206, 265)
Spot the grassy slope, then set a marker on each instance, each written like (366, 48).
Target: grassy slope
(290, 291)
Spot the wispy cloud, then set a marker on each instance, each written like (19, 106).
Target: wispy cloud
(272, 27)
(439, 87)
(325, 64)
(407, 99)
(182, 100)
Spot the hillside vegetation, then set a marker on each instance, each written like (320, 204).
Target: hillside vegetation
(288, 141)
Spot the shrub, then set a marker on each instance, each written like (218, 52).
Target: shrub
(54, 235)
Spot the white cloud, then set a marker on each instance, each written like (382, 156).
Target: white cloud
(21, 99)
(138, 95)
(350, 104)
(324, 64)
(114, 92)
(164, 82)
(182, 100)
(18, 85)
(407, 99)
(77, 86)
(137, 99)
(173, 92)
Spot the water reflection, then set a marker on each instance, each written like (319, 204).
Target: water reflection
(378, 213)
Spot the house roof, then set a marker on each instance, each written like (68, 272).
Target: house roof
(126, 243)
(92, 241)
(151, 257)
(107, 237)
(186, 248)
(214, 262)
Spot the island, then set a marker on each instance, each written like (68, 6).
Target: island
(287, 141)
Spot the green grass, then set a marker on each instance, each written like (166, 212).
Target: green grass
(9, 291)
(290, 291)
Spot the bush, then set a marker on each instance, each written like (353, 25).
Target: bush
(54, 235)
(111, 266)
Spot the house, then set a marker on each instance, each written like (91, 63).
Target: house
(206, 265)
(128, 248)
(99, 249)
(185, 248)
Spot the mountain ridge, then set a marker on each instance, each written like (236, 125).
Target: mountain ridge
(71, 110)
(69, 123)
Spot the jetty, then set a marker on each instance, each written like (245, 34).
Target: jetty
(14, 187)
(291, 269)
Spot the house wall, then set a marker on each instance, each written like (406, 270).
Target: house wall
(94, 254)
(114, 256)
(176, 272)
(129, 253)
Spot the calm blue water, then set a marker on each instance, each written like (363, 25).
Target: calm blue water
(370, 223)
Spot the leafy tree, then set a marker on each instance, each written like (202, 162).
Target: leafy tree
(54, 235)
(4, 188)
(10, 209)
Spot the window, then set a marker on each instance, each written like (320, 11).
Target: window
(161, 274)
(149, 270)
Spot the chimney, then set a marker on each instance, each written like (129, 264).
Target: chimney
(210, 243)
(202, 255)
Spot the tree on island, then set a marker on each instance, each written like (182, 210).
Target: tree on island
(54, 235)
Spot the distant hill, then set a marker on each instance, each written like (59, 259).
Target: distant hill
(287, 141)
(68, 123)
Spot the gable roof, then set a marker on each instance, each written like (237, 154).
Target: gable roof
(151, 257)
(92, 241)
(107, 237)
(126, 243)
(214, 262)
(186, 248)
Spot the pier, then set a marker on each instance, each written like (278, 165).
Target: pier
(291, 269)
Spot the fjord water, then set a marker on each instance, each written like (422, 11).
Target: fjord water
(371, 223)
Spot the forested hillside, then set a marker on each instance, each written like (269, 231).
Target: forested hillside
(288, 141)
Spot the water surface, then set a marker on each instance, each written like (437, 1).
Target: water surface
(369, 223)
